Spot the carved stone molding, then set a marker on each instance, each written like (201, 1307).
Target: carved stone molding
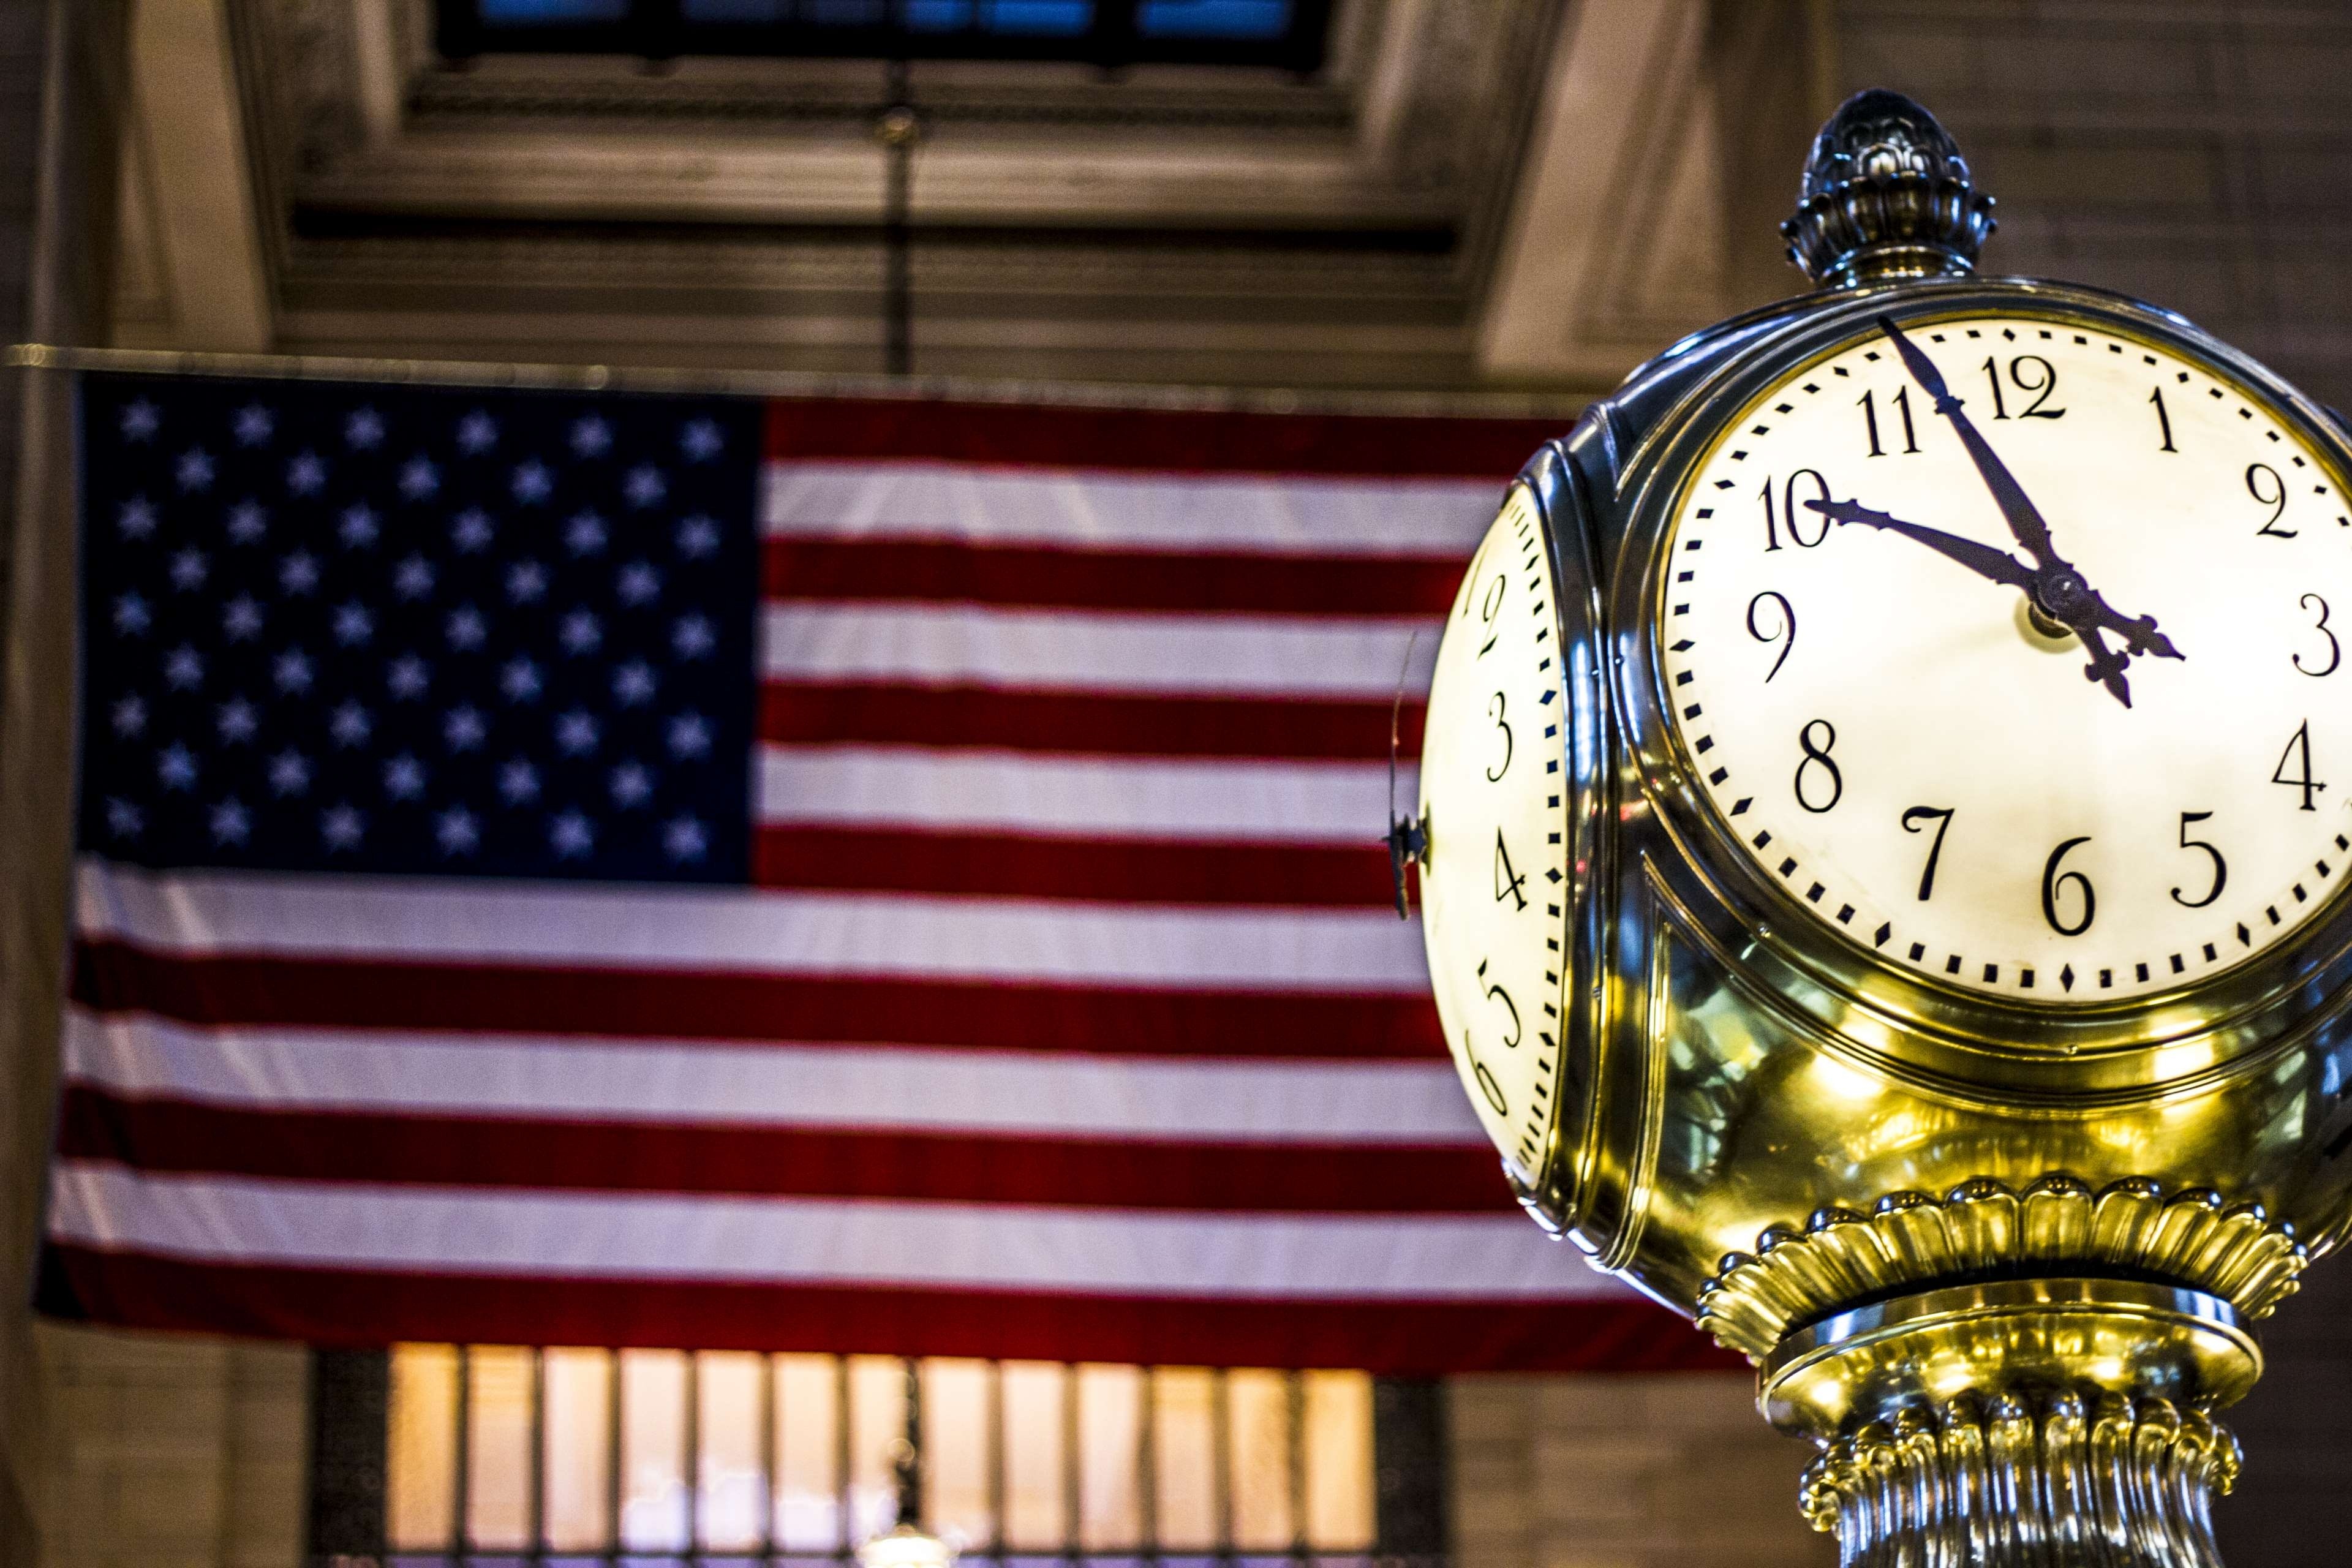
(1981, 1228)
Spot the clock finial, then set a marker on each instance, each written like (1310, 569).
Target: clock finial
(1885, 195)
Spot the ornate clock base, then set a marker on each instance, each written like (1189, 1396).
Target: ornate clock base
(2049, 1422)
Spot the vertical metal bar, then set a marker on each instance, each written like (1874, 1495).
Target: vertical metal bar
(1220, 1459)
(997, 1437)
(1295, 1453)
(612, 1479)
(461, 1533)
(690, 1461)
(910, 1463)
(845, 1523)
(1146, 1464)
(897, 131)
(1073, 1467)
(771, 1461)
(537, 1461)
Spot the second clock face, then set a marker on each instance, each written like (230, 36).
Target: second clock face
(2015, 651)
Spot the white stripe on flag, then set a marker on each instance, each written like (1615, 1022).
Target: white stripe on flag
(1336, 516)
(849, 1087)
(1210, 656)
(817, 1241)
(1140, 797)
(1367, 950)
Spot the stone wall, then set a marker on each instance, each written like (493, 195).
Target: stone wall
(1672, 1470)
(2196, 153)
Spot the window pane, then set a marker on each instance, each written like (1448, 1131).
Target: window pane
(1212, 18)
(653, 1450)
(579, 1449)
(512, 13)
(1184, 1450)
(1260, 1406)
(498, 1446)
(1338, 1461)
(1036, 1510)
(956, 1444)
(878, 1421)
(734, 1489)
(1110, 1422)
(808, 1447)
(1056, 18)
(418, 1490)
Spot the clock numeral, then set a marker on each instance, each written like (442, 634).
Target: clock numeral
(2275, 501)
(2163, 420)
(1913, 820)
(1488, 607)
(2220, 867)
(1817, 756)
(1510, 1041)
(2053, 885)
(1902, 402)
(2298, 751)
(1790, 512)
(1494, 711)
(2334, 648)
(1508, 883)
(1785, 633)
(2042, 383)
(1487, 1084)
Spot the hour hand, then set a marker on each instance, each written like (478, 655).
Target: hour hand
(1995, 565)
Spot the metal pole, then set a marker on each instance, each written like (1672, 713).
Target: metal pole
(461, 1459)
(897, 130)
(910, 1457)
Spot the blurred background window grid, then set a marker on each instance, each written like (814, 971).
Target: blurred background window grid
(1288, 34)
(511, 1453)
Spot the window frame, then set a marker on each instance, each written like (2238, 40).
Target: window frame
(349, 1518)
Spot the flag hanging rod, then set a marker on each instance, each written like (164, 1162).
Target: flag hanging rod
(796, 383)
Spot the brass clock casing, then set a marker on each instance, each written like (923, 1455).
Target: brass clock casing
(1842, 1168)
(1746, 1064)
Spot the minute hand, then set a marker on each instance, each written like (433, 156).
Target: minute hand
(2024, 520)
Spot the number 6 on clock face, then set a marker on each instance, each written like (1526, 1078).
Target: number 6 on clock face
(2061, 724)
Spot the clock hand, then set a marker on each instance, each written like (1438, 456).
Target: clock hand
(1981, 559)
(2024, 520)
(2058, 590)
(2086, 613)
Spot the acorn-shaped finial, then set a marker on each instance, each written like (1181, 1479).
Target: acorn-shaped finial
(1886, 195)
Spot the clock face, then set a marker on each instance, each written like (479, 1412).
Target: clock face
(1496, 879)
(2141, 788)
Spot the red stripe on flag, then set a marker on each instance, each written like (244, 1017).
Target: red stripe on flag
(1092, 723)
(326, 1145)
(491, 998)
(1131, 440)
(1121, 870)
(345, 1307)
(932, 571)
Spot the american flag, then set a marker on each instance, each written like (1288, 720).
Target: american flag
(821, 874)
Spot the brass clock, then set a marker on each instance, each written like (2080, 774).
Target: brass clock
(1885, 814)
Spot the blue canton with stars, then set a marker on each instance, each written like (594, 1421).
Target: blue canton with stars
(417, 630)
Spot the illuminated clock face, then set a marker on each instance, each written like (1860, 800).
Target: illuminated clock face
(1495, 882)
(2016, 653)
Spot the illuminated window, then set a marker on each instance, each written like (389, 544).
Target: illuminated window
(499, 1453)
(1289, 34)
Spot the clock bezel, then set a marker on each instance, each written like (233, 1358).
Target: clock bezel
(1885, 1010)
